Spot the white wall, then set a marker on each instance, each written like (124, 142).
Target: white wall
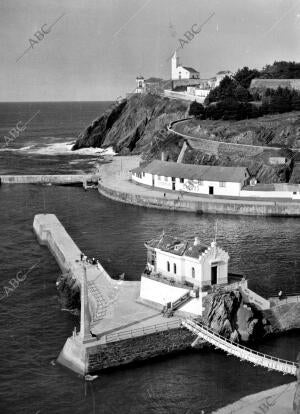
(158, 292)
(185, 74)
(194, 186)
(215, 256)
(184, 265)
(161, 264)
(163, 182)
(145, 179)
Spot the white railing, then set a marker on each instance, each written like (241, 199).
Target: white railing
(240, 351)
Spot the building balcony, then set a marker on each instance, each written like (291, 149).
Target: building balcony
(168, 280)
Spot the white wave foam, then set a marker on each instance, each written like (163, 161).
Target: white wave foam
(63, 148)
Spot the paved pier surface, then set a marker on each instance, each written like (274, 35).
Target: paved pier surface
(113, 304)
(109, 309)
(49, 179)
(277, 400)
(115, 183)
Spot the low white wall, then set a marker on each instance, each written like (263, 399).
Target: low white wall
(181, 95)
(193, 306)
(159, 292)
(270, 194)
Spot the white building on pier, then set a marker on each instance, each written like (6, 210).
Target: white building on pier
(196, 179)
(188, 261)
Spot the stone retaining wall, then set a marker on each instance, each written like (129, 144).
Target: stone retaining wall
(138, 348)
(206, 205)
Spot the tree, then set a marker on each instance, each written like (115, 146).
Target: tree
(281, 70)
(245, 75)
(242, 94)
(196, 109)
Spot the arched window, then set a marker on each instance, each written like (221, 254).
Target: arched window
(174, 268)
(168, 266)
(193, 272)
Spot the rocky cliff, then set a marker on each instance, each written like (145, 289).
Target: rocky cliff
(138, 125)
(134, 125)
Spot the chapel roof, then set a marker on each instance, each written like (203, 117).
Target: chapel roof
(190, 69)
(177, 246)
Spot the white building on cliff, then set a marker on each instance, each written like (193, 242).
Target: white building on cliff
(182, 72)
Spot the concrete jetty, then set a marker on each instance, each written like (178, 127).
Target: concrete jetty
(115, 327)
(58, 179)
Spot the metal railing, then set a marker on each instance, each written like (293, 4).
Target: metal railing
(145, 330)
(258, 358)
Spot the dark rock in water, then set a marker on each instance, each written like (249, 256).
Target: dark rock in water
(69, 292)
(228, 315)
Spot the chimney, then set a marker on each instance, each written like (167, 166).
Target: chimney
(163, 156)
(197, 241)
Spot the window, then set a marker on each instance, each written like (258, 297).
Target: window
(168, 266)
(222, 184)
(193, 272)
(182, 180)
(174, 268)
(166, 178)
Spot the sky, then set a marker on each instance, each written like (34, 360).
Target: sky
(96, 48)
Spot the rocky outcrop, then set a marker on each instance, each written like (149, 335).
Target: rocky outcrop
(228, 315)
(69, 293)
(131, 126)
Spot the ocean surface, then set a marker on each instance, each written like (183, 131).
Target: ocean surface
(34, 328)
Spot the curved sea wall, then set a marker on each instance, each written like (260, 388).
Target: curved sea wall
(204, 205)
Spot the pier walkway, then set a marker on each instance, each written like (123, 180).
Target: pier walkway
(58, 179)
(240, 351)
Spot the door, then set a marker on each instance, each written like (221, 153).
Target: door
(210, 190)
(173, 183)
(214, 272)
(153, 180)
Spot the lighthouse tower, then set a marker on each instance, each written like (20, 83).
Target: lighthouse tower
(175, 64)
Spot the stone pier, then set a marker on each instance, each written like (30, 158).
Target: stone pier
(115, 328)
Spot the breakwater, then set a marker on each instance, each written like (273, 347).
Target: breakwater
(115, 328)
(59, 179)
